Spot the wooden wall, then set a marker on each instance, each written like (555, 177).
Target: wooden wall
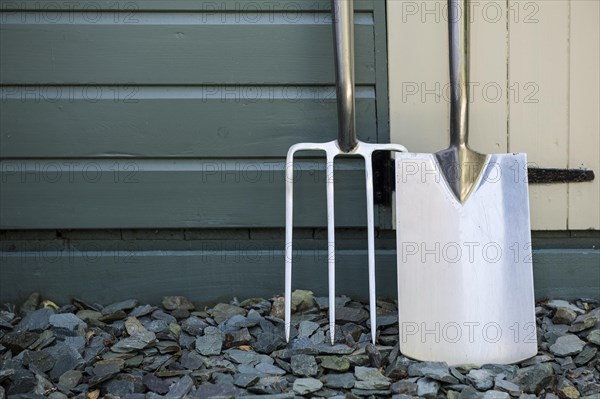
(177, 114)
(534, 68)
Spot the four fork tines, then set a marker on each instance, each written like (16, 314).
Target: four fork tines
(332, 150)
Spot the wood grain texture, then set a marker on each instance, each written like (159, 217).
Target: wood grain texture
(207, 272)
(584, 120)
(164, 89)
(264, 6)
(542, 58)
(539, 123)
(138, 193)
(204, 122)
(188, 54)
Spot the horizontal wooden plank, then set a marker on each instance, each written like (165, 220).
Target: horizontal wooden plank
(177, 54)
(213, 122)
(179, 5)
(137, 193)
(251, 269)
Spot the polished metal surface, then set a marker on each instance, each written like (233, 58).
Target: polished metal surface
(343, 38)
(465, 278)
(460, 164)
(347, 144)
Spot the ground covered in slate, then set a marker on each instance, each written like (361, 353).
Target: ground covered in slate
(237, 350)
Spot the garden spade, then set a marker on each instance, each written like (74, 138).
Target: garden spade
(465, 281)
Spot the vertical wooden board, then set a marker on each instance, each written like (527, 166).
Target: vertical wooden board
(584, 139)
(418, 71)
(488, 69)
(419, 82)
(539, 90)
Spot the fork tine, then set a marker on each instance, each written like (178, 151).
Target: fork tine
(289, 228)
(371, 244)
(331, 245)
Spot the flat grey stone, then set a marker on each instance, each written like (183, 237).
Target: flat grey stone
(22, 383)
(534, 378)
(335, 363)
(70, 379)
(594, 337)
(559, 303)
(287, 395)
(194, 325)
(583, 322)
(307, 328)
(224, 311)
(66, 320)
(436, 370)
(536, 359)
(564, 316)
(37, 320)
(351, 315)
(160, 315)
(496, 395)
(155, 384)
(507, 386)
(157, 326)
(427, 387)
(566, 389)
(211, 342)
(385, 320)
(180, 388)
(481, 379)
(405, 387)
(65, 359)
(107, 369)
(40, 361)
(470, 393)
(177, 302)
(237, 322)
(338, 381)
(304, 365)
(139, 341)
(567, 345)
(268, 342)
(337, 349)
(585, 355)
(266, 368)
(508, 370)
(370, 393)
(238, 338)
(304, 386)
(120, 306)
(370, 378)
(302, 300)
(142, 310)
(323, 302)
(120, 387)
(242, 357)
(245, 380)
(222, 390)
(191, 360)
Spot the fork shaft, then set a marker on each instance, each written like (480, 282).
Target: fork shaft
(343, 34)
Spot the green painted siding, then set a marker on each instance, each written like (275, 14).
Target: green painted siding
(212, 265)
(177, 114)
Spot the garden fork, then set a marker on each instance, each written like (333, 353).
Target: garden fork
(346, 144)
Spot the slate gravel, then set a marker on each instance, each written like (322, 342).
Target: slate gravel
(177, 349)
